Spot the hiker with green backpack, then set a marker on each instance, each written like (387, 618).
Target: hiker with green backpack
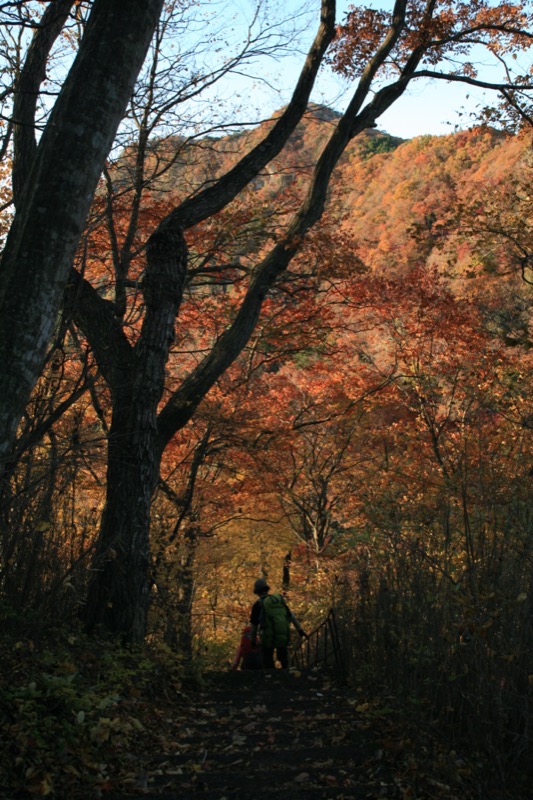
(271, 617)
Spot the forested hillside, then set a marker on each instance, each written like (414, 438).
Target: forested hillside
(395, 359)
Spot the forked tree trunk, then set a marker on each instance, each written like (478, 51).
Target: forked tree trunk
(123, 547)
(119, 590)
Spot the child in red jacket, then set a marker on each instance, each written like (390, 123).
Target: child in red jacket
(247, 656)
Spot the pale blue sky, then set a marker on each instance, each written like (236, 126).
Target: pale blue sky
(426, 108)
(435, 108)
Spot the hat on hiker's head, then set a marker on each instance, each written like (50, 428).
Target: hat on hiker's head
(261, 586)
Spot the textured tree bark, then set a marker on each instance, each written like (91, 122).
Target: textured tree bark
(119, 591)
(54, 197)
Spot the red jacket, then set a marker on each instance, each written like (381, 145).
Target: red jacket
(246, 653)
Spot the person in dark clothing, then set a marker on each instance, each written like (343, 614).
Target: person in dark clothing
(271, 618)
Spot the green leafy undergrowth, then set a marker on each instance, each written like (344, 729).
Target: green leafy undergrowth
(75, 711)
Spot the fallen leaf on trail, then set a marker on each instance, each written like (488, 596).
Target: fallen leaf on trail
(302, 777)
(70, 769)
(394, 745)
(41, 784)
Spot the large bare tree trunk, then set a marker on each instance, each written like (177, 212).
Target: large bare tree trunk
(54, 197)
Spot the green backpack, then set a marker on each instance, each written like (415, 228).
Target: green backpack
(275, 624)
